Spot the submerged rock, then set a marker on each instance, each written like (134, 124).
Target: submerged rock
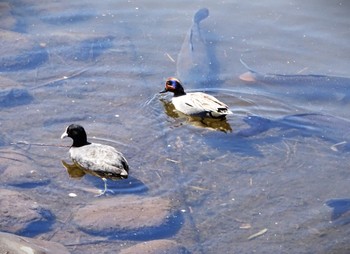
(13, 244)
(20, 51)
(19, 171)
(13, 94)
(156, 247)
(7, 21)
(129, 217)
(22, 215)
(90, 49)
(56, 13)
(10, 97)
(79, 46)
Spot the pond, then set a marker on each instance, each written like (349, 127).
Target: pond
(256, 182)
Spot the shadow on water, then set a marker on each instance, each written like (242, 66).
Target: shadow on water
(309, 87)
(31, 184)
(37, 227)
(244, 141)
(197, 65)
(341, 210)
(169, 228)
(232, 143)
(326, 127)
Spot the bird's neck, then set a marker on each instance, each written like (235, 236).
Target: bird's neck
(80, 143)
(179, 93)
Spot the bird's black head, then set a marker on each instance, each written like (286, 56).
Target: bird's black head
(77, 133)
(174, 85)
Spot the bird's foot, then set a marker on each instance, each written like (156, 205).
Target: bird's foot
(104, 192)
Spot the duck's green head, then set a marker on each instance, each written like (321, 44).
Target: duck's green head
(174, 85)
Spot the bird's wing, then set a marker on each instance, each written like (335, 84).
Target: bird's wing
(208, 103)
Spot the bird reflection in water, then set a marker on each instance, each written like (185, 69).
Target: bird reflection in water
(209, 123)
(77, 172)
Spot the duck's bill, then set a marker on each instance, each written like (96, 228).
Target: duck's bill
(164, 91)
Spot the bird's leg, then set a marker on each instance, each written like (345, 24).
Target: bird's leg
(105, 188)
(102, 192)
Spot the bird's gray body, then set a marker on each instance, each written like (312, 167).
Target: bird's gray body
(101, 160)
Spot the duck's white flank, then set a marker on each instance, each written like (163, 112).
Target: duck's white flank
(200, 104)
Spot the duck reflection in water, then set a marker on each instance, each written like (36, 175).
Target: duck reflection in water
(209, 123)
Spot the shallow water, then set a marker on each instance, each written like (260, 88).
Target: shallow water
(107, 61)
